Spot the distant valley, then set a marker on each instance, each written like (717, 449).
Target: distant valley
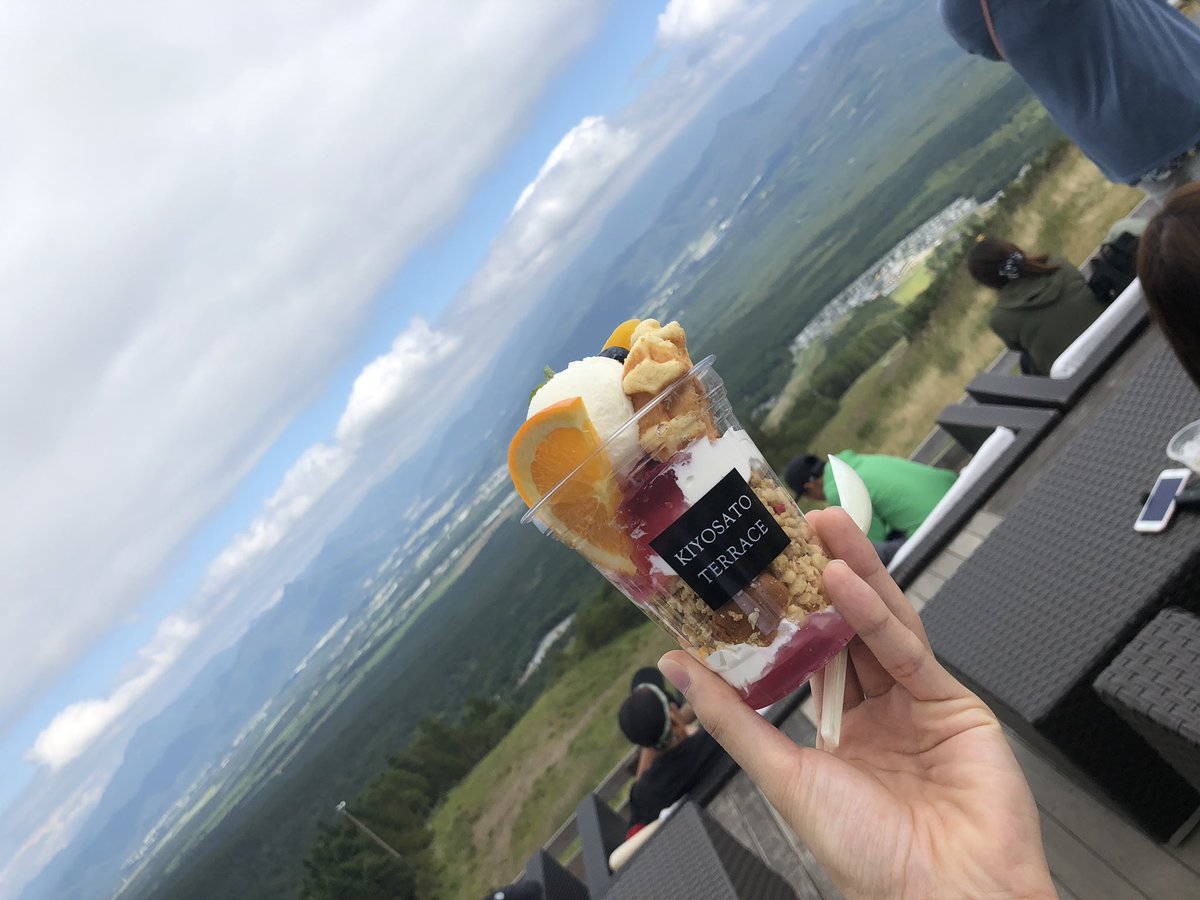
(432, 592)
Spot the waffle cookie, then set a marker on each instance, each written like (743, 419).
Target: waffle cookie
(657, 359)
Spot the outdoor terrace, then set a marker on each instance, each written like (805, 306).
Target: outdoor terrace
(1093, 847)
(1074, 485)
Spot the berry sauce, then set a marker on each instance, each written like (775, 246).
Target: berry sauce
(807, 652)
(654, 501)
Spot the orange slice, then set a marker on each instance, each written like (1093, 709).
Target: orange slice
(545, 450)
(623, 334)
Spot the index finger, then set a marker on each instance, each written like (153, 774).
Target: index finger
(766, 754)
(845, 541)
(903, 655)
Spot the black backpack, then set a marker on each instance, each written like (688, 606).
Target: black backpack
(1114, 267)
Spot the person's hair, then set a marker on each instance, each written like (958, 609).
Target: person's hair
(645, 717)
(802, 470)
(1169, 265)
(995, 262)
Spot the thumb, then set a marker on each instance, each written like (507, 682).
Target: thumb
(769, 757)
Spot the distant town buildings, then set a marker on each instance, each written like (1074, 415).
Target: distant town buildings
(885, 275)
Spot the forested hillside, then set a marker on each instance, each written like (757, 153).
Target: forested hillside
(878, 124)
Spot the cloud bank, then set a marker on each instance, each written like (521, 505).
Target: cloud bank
(77, 726)
(551, 211)
(377, 396)
(226, 266)
(200, 206)
(688, 21)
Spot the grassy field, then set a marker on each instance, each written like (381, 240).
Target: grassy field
(913, 284)
(806, 365)
(892, 407)
(513, 800)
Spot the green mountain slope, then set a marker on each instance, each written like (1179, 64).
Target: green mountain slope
(878, 124)
(881, 122)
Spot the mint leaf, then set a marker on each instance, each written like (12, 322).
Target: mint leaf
(549, 373)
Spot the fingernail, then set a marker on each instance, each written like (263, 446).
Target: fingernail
(675, 673)
(837, 562)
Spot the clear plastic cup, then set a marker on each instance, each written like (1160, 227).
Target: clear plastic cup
(706, 540)
(1184, 447)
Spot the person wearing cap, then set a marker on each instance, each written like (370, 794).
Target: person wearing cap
(648, 675)
(681, 759)
(903, 493)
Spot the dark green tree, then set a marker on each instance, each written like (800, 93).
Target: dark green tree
(345, 863)
(604, 616)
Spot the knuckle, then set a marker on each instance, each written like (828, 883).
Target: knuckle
(715, 724)
(909, 664)
(874, 625)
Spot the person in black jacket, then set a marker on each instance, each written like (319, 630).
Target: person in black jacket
(648, 675)
(682, 759)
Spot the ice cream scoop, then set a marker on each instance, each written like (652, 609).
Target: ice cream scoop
(597, 381)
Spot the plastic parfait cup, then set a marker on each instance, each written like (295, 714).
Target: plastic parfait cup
(702, 535)
(1184, 447)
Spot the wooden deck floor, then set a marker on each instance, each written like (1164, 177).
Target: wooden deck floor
(743, 811)
(1093, 853)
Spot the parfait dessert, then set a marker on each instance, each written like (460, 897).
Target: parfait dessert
(634, 458)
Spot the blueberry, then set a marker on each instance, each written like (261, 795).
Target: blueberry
(617, 353)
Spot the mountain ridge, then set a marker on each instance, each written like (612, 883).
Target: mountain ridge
(759, 170)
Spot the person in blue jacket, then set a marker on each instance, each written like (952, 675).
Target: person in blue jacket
(1121, 78)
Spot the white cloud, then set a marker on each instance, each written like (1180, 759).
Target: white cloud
(77, 726)
(56, 825)
(379, 390)
(689, 21)
(590, 143)
(386, 381)
(200, 206)
(312, 475)
(556, 207)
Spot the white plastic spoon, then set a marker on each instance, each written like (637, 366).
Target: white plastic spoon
(855, 500)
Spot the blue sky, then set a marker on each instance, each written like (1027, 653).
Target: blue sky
(600, 79)
(247, 242)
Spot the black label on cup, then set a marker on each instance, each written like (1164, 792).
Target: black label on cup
(723, 542)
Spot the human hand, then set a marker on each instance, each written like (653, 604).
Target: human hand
(923, 797)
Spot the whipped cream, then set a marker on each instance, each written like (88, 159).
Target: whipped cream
(659, 566)
(706, 462)
(744, 664)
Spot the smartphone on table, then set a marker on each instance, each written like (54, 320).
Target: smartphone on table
(1160, 505)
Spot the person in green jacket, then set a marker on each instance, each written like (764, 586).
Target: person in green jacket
(903, 493)
(1044, 303)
